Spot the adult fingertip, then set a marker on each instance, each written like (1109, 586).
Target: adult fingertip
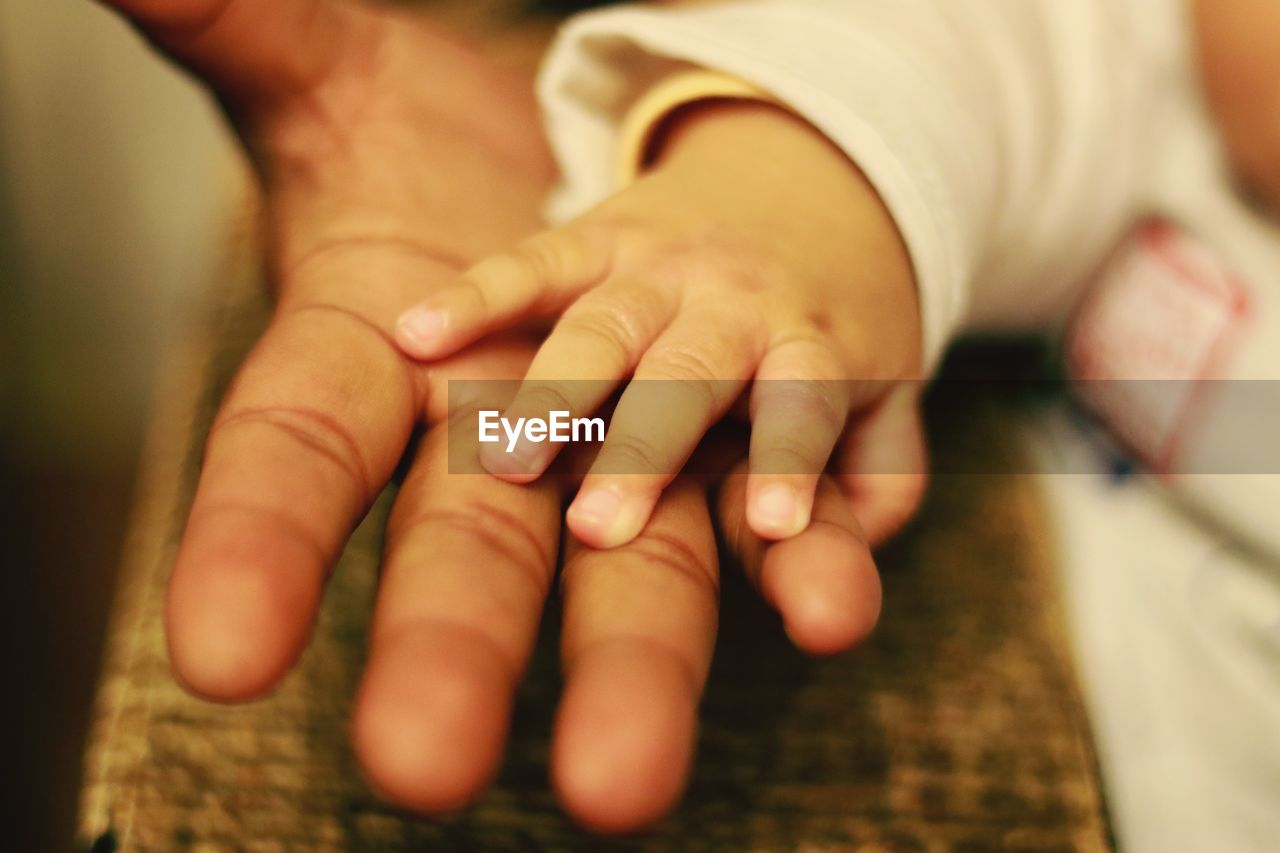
(431, 718)
(624, 740)
(821, 627)
(829, 602)
(229, 639)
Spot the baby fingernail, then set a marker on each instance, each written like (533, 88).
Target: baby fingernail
(421, 325)
(521, 462)
(604, 519)
(777, 511)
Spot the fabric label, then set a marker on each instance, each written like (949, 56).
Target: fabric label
(1154, 330)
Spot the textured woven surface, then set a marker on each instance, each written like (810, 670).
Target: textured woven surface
(957, 727)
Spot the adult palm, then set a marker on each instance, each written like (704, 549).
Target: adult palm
(390, 157)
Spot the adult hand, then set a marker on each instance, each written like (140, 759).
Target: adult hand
(450, 639)
(390, 158)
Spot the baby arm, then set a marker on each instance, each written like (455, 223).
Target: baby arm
(753, 249)
(1241, 71)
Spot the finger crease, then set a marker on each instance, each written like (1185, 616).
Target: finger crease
(502, 532)
(316, 430)
(365, 242)
(663, 552)
(279, 519)
(687, 667)
(407, 374)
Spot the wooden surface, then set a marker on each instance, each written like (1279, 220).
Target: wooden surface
(957, 727)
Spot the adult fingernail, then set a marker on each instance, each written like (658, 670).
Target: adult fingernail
(421, 327)
(775, 511)
(603, 518)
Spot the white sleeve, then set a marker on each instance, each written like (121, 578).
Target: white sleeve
(1005, 136)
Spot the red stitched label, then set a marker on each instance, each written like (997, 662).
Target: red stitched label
(1156, 323)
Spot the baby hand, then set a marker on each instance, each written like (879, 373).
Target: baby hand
(753, 250)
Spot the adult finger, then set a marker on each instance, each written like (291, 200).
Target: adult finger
(823, 581)
(639, 626)
(309, 433)
(248, 49)
(469, 559)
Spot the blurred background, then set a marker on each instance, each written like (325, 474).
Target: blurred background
(115, 176)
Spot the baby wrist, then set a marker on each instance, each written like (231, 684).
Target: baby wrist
(643, 127)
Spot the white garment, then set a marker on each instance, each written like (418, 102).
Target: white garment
(1176, 634)
(1018, 144)
(1006, 136)
(1015, 142)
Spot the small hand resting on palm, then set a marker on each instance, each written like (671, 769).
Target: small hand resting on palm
(751, 255)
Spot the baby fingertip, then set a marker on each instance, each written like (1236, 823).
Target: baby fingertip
(604, 518)
(777, 512)
(420, 331)
(523, 465)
